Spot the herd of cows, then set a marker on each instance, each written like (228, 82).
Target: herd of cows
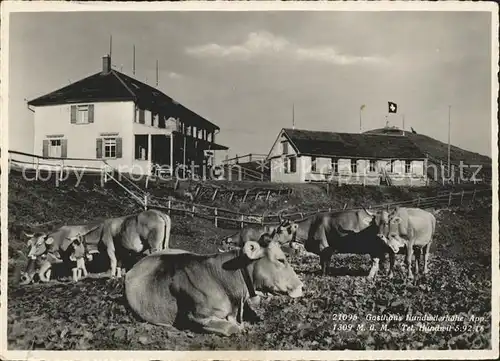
(215, 292)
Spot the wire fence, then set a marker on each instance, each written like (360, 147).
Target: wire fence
(231, 219)
(226, 218)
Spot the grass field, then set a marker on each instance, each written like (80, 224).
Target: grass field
(93, 315)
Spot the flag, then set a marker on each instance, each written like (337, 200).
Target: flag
(362, 107)
(393, 107)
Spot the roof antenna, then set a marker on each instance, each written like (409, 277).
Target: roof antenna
(156, 72)
(110, 45)
(293, 115)
(133, 63)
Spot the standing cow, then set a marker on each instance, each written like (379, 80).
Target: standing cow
(351, 231)
(121, 238)
(411, 227)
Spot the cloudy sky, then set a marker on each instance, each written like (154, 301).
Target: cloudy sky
(244, 70)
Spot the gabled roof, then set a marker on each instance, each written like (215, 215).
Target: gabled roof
(331, 144)
(116, 86)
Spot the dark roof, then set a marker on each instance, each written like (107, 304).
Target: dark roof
(387, 130)
(116, 86)
(330, 144)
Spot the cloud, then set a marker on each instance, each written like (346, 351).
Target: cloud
(265, 43)
(174, 75)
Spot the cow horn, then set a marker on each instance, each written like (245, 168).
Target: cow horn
(29, 235)
(367, 211)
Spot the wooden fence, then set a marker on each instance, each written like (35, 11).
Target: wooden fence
(230, 219)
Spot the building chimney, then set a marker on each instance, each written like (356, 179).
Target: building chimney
(106, 64)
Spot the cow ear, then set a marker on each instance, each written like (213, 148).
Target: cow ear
(253, 250)
(49, 241)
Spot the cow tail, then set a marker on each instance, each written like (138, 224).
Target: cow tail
(166, 235)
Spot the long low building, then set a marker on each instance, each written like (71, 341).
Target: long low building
(346, 158)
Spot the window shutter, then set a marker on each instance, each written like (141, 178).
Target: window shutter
(141, 116)
(98, 148)
(91, 113)
(64, 148)
(45, 150)
(118, 147)
(73, 114)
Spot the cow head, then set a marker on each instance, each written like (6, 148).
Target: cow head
(38, 244)
(285, 232)
(77, 249)
(392, 236)
(271, 271)
(380, 220)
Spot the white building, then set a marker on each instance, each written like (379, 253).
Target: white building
(113, 117)
(346, 158)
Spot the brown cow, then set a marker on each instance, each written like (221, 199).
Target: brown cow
(208, 292)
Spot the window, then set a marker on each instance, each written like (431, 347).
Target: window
(372, 167)
(109, 147)
(407, 166)
(354, 166)
(285, 165)
(293, 164)
(285, 147)
(142, 116)
(335, 165)
(313, 164)
(82, 114)
(55, 147)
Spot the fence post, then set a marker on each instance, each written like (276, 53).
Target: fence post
(169, 206)
(257, 195)
(198, 188)
(145, 202)
(268, 194)
(231, 196)
(62, 170)
(215, 194)
(329, 209)
(241, 221)
(245, 196)
(192, 211)
(462, 198)
(473, 197)
(37, 170)
(449, 199)
(215, 221)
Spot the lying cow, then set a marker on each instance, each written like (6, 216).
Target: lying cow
(208, 292)
(253, 233)
(352, 231)
(411, 228)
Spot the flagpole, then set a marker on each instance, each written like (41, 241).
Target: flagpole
(403, 124)
(449, 127)
(360, 110)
